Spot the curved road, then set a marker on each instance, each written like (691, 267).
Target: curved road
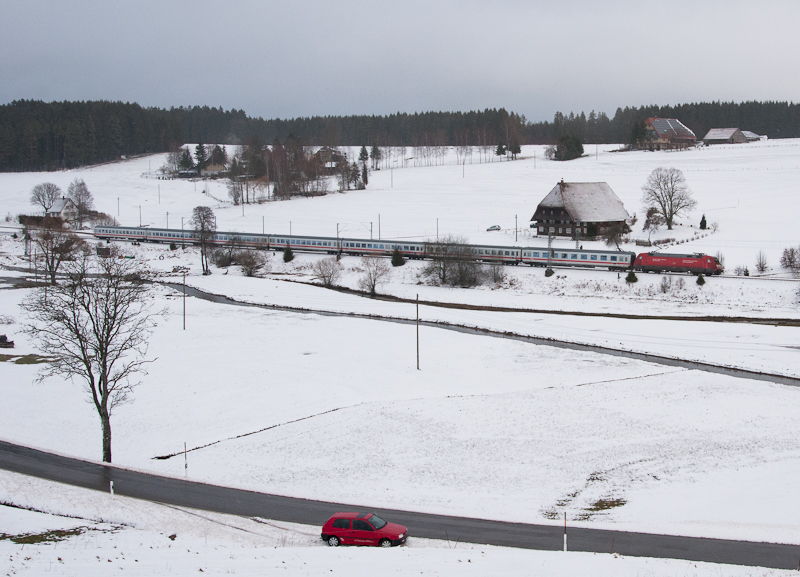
(184, 493)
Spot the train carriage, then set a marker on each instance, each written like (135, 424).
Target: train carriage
(534, 256)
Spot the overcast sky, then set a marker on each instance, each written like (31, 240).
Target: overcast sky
(305, 58)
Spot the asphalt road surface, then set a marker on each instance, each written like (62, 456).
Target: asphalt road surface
(184, 493)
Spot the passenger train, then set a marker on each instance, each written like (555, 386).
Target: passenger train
(534, 256)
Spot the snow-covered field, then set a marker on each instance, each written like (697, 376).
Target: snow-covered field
(489, 427)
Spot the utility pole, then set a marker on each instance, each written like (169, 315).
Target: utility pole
(117, 206)
(140, 216)
(370, 230)
(549, 247)
(516, 227)
(167, 219)
(437, 228)
(379, 226)
(159, 193)
(417, 331)
(184, 300)
(262, 224)
(578, 237)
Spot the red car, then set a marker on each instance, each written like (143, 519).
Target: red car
(362, 529)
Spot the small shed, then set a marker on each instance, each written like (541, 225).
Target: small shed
(579, 208)
(724, 136)
(752, 136)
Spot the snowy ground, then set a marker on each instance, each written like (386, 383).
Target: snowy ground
(488, 427)
(78, 532)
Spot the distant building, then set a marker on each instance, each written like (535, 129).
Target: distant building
(752, 136)
(668, 133)
(214, 170)
(64, 209)
(579, 208)
(724, 136)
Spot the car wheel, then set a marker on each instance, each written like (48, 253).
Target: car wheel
(333, 541)
(385, 543)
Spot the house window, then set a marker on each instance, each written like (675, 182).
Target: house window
(569, 231)
(559, 230)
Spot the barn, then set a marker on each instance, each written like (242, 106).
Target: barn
(724, 136)
(668, 133)
(573, 209)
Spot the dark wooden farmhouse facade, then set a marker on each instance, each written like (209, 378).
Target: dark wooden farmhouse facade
(584, 209)
(665, 133)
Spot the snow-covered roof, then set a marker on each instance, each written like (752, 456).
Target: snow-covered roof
(586, 201)
(671, 128)
(720, 133)
(59, 205)
(751, 135)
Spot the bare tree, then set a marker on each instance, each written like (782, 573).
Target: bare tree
(80, 196)
(376, 272)
(327, 270)
(95, 326)
(56, 244)
(452, 262)
(614, 235)
(45, 195)
(790, 259)
(667, 191)
(204, 225)
(761, 262)
(251, 261)
(652, 222)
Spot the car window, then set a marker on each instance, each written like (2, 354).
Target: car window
(377, 522)
(361, 525)
(342, 523)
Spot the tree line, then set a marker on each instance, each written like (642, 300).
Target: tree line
(35, 135)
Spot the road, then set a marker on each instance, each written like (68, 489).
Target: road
(184, 493)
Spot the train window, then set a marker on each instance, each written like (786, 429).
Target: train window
(507, 253)
(563, 255)
(574, 257)
(405, 247)
(614, 259)
(594, 257)
(536, 255)
(583, 257)
(603, 257)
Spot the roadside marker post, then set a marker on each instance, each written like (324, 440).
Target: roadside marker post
(565, 531)
(111, 487)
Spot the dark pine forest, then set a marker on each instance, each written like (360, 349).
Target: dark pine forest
(35, 135)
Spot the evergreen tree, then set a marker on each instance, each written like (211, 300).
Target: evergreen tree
(500, 150)
(631, 278)
(569, 147)
(700, 280)
(288, 255)
(186, 162)
(363, 156)
(397, 257)
(200, 155)
(703, 223)
(364, 177)
(376, 156)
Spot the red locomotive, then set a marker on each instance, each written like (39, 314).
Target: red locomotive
(697, 263)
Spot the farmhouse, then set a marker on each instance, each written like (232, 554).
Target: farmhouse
(574, 209)
(724, 136)
(63, 208)
(668, 133)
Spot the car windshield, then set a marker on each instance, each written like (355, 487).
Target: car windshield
(377, 522)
